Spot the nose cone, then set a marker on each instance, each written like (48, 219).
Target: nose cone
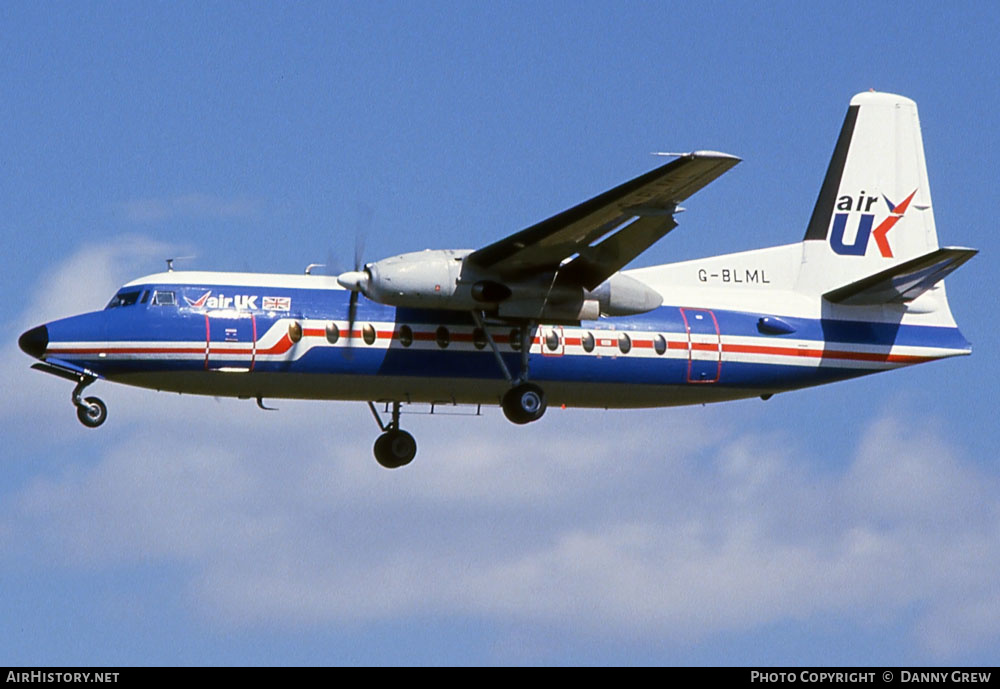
(353, 280)
(35, 341)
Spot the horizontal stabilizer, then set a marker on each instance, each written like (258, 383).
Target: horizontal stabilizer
(903, 282)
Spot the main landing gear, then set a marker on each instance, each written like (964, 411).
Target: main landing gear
(92, 411)
(395, 447)
(524, 402)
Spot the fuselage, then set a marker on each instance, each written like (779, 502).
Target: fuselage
(291, 336)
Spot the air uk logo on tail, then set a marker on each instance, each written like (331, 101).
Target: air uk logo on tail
(863, 203)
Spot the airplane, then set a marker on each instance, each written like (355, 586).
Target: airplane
(549, 315)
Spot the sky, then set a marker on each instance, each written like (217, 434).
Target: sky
(857, 523)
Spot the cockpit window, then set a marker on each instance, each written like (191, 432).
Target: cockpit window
(123, 299)
(161, 298)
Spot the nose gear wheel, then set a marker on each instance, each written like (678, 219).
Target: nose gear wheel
(92, 413)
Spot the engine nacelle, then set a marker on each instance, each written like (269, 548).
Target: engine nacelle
(422, 279)
(621, 295)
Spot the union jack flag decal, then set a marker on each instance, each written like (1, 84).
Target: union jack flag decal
(277, 303)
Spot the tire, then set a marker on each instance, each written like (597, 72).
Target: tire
(524, 403)
(93, 414)
(394, 449)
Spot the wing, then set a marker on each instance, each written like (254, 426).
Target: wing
(602, 235)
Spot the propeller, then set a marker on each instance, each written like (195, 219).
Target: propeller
(356, 280)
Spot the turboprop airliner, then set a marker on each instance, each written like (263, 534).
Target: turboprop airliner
(548, 315)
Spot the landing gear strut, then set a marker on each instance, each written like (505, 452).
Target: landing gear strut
(92, 411)
(395, 447)
(524, 402)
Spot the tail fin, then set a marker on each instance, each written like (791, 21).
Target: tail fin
(874, 209)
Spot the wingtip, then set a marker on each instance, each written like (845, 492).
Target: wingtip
(697, 154)
(714, 154)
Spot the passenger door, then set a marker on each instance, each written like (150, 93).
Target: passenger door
(704, 346)
(230, 341)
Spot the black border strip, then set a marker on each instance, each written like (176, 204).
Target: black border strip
(819, 224)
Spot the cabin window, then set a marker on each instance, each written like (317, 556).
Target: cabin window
(368, 333)
(123, 299)
(406, 336)
(161, 298)
(587, 340)
(479, 338)
(552, 340)
(515, 339)
(624, 343)
(443, 337)
(332, 332)
(294, 331)
(660, 344)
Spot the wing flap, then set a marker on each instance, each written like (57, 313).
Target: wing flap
(597, 263)
(654, 195)
(903, 282)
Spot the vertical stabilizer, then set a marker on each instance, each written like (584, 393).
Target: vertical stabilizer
(874, 208)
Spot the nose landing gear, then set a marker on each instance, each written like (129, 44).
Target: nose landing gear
(91, 412)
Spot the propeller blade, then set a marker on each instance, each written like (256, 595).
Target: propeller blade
(352, 316)
(356, 280)
(365, 216)
(359, 251)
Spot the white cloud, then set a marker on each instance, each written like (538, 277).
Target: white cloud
(86, 280)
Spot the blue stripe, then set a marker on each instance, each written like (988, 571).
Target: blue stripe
(482, 366)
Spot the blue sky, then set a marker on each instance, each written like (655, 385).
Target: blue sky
(855, 523)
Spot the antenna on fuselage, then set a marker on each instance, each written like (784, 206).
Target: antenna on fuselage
(314, 265)
(170, 262)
